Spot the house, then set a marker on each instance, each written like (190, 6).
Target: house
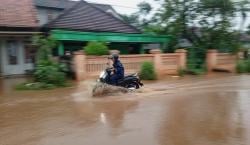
(86, 22)
(72, 23)
(17, 24)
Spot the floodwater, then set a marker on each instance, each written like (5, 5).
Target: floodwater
(210, 110)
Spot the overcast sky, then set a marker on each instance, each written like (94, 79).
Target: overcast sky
(125, 6)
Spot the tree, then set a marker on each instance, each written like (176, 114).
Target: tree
(45, 46)
(248, 30)
(140, 18)
(132, 19)
(205, 23)
(48, 73)
(211, 17)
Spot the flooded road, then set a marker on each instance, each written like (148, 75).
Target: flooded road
(210, 110)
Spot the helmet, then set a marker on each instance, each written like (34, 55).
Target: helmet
(115, 56)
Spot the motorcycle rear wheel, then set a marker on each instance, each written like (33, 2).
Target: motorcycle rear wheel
(133, 86)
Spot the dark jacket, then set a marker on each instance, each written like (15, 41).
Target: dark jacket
(119, 69)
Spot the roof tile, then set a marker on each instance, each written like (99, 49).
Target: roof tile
(86, 17)
(17, 13)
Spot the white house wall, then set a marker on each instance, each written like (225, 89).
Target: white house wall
(1, 61)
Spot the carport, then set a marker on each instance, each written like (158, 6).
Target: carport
(64, 36)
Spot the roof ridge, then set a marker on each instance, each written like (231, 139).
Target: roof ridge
(92, 5)
(64, 13)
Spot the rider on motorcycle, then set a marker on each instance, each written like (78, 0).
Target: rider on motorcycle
(118, 69)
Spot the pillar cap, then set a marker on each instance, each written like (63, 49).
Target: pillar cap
(212, 51)
(80, 52)
(180, 50)
(155, 51)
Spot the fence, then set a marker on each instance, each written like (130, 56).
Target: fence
(170, 63)
(89, 66)
(132, 63)
(221, 61)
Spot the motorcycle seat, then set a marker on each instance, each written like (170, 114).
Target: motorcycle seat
(130, 75)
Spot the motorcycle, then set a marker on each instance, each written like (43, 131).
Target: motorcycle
(131, 82)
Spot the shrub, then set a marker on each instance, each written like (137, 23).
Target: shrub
(181, 72)
(147, 71)
(197, 71)
(248, 66)
(241, 66)
(49, 72)
(96, 48)
(45, 46)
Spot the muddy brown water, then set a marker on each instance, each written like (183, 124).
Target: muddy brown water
(213, 110)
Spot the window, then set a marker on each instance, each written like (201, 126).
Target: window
(12, 52)
(30, 54)
(50, 16)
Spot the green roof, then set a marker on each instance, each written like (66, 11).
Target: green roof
(66, 35)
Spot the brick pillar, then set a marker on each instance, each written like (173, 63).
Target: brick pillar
(211, 59)
(80, 65)
(157, 61)
(182, 58)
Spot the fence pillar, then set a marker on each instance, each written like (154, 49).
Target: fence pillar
(182, 58)
(80, 65)
(157, 61)
(240, 55)
(211, 59)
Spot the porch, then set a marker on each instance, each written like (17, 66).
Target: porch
(125, 43)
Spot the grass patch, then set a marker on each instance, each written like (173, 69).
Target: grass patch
(196, 71)
(39, 86)
(181, 72)
(243, 66)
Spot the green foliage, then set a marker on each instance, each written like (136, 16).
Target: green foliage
(196, 58)
(144, 8)
(96, 48)
(243, 66)
(196, 71)
(147, 71)
(248, 66)
(206, 23)
(248, 30)
(132, 19)
(196, 61)
(38, 86)
(140, 18)
(49, 72)
(35, 86)
(181, 72)
(45, 46)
